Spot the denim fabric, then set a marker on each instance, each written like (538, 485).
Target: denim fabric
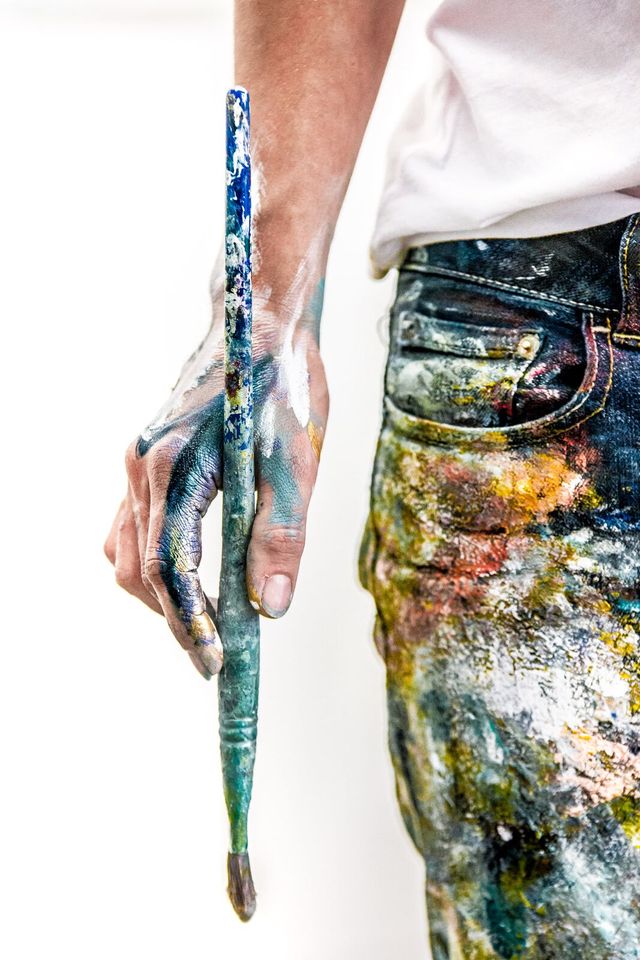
(503, 554)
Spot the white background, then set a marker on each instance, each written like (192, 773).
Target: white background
(113, 824)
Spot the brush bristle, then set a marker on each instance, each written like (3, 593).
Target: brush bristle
(241, 890)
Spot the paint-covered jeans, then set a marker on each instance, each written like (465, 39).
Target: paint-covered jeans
(503, 553)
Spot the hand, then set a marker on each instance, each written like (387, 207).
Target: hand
(174, 471)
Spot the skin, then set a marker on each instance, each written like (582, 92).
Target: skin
(313, 71)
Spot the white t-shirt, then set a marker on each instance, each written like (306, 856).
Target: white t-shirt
(532, 126)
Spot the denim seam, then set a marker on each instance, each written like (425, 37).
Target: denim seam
(629, 317)
(607, 389)
(445, 271)
(625, 259)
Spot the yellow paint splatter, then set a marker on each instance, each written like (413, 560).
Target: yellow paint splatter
(315, 436)
(536, 485)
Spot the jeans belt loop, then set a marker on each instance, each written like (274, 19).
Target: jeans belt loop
(628, 328)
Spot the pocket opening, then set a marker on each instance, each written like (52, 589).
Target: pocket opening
(417, 332)
(588, 399)
(458, 372)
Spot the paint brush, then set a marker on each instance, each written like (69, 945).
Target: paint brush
(237, 620)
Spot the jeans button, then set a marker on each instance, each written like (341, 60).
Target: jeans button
(528, 345)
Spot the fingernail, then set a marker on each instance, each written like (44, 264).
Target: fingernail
(207, 643)
(210, 657)
(276, 595)
(202, 670)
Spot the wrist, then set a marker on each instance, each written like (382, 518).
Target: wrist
(288, 243)
(288, 280)
(292, 321)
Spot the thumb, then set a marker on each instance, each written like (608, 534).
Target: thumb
(278, 533)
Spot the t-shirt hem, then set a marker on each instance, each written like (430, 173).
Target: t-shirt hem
(386, 256)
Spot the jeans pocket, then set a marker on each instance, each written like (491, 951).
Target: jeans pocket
(460, 373)
(452, 381)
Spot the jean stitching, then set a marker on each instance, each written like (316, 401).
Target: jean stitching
(445, 271)
(625, 263)
(607, 389)
(625, 318)
(625, 256)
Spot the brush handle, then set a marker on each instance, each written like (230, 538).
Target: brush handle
(237, 620)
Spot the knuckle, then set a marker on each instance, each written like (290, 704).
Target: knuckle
(147, 583)
(160, 463)
(154, 571)
(283, 541)
(157, 463)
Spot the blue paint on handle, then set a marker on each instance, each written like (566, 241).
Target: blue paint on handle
(237, 620)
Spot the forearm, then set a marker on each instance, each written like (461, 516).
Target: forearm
(313, 70)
